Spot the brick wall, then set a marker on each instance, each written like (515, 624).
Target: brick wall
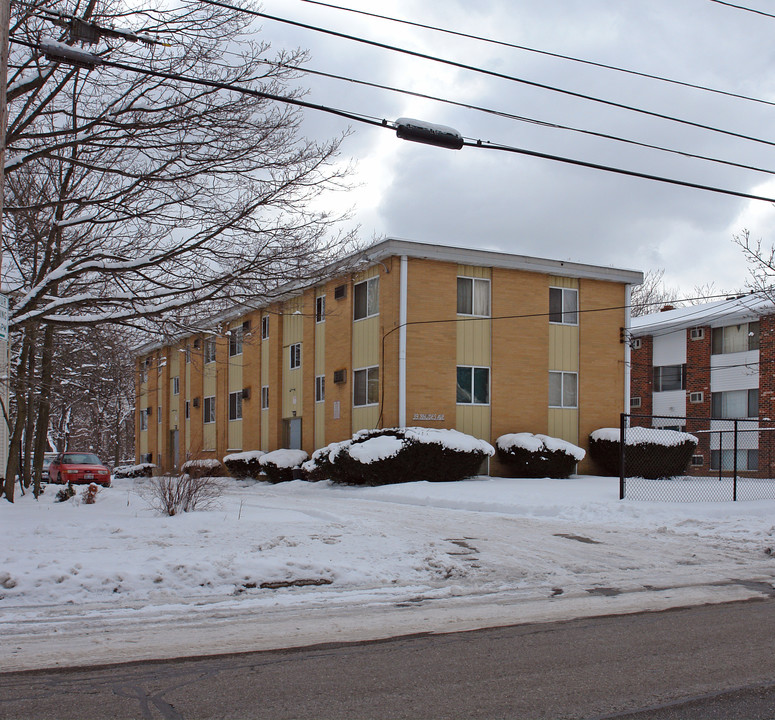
(642, 379)
(698, 381)
(767, 394)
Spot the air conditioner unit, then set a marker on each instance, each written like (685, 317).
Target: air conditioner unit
(698, 460)
(246, 393)
(697, 333)
(340, 292)
(634, 402)
(635, 343)
(696, 397)
(195, 402)
(340, 376)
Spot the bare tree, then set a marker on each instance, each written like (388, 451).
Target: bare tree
(140, 193)
(651, 295)
(761, 263)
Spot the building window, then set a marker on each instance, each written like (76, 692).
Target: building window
(746, 459)
(320, 309)
(209, 351)
(209, 409)
(473, 385)
(265, 397)
(235, 341)
(735, 404)
(188, 409)
(564, 306)
(295, 355)
(143, 420)
(158, 415)
(563, 389)
(366, 299)
(176, 385)
(265, 327)
(366, 386)
(735, 338)
(188, 354)
(669, 377)
(473, 296)
(320, 388)
(235, 405)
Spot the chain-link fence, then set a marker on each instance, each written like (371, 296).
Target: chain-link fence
(696, 459)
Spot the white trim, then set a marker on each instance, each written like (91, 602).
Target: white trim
(402, 318)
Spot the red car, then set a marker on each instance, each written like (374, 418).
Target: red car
(78, 468)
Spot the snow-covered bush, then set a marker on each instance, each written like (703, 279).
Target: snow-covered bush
(649, 452)
(65, 493)
(244, 464)
(396, 455)
(528, 455)
(134, 471)
(203, 467)
(171, 494)
(278, 465)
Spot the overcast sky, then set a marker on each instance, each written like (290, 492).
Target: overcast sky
(495, 200)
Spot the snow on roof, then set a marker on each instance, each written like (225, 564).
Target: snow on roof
(718, 313)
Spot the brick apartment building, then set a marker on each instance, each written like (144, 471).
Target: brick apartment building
(706, 369)
(403, 333)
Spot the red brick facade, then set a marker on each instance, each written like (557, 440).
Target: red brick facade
(642, 380)
(698, 350)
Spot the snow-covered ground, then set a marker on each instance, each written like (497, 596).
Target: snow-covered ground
(301, 563)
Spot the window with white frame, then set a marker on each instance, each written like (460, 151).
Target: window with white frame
(473, 296)
(208, 413)
(669, 377)
(320, 309)
(176, 385)
(473, 385)
(746, 459)
(294, 352)
(320, 388)
(735, 338)
(143, 420)
(235, 341)
(235, 405)
(366, 299)
(209, 351)
(735, 404)
(563, 389)
(564, 306)
(265, 397)
(265, 327)
(366, 386)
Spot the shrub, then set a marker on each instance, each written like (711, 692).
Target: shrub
(65, 493)
(278, 465)
(171, 494)
(397, 455)
(89, 496)
(134, 471)
(244, 464)
(203, 467)
(649, 453)
(528, 455)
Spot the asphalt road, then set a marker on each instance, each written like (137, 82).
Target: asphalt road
(700, 662)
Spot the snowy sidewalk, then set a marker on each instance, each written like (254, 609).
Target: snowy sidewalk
(115, 581)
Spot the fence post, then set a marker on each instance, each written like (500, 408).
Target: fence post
(734, 463)
(622, 439)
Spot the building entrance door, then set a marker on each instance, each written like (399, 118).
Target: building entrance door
(293, 433)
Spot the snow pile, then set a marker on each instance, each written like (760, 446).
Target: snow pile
(643, 436)
(246, 456)
(284, 459)
(538, 443)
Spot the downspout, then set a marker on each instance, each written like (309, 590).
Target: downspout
(627, 348)
(402, 313)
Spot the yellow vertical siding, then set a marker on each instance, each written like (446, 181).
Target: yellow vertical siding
(564, 424)
(186, 446)
(209, 380)
(264, 382)
(564, 355)
(234, 439)
(474, 420)
(365, 417)
(292, 380)
(320, 369)
(366, 342)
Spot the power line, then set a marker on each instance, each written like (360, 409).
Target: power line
(520, 118)
(373, 121)
(742, 7)
(559, 56)
(490, 73)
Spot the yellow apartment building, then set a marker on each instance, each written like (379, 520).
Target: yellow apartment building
(400, 334)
